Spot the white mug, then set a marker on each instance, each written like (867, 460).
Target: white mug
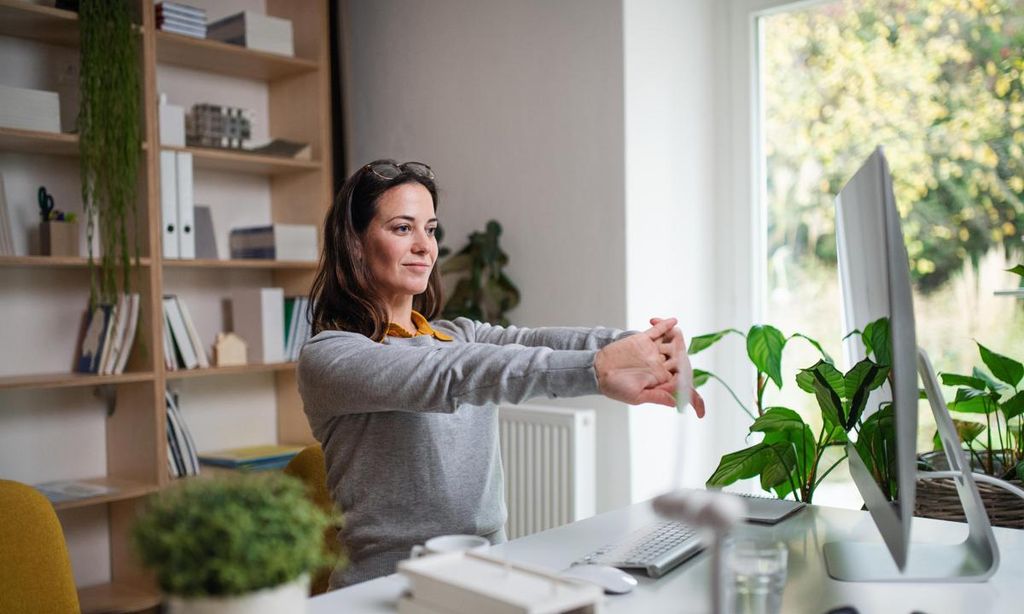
(449, 543)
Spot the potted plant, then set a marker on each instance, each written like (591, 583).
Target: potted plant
(109, 142)
(232, 545)
(788, 460)
(483, 291)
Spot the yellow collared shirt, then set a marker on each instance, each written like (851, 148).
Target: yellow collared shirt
(422, 328)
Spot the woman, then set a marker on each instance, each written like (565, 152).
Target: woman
(405, 407)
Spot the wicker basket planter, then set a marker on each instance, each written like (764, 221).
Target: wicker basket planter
(938, 498)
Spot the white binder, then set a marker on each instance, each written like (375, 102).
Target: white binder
(169, 204)
(186, 208)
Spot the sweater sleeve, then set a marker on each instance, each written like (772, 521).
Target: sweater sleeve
(556, 338)
(343, 373)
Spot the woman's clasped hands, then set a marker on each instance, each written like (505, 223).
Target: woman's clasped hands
(648, 367)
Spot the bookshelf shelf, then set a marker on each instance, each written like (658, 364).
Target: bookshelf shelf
(241, 264)
(70, 380)
(53, 262)
(44, 24)
(33, 141)
(225, 160)
(116, 597)
(126, 489)
(225, 59)
(239, 370)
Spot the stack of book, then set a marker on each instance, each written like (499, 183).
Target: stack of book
(183, 349)
(6, 236)
(252, 458)
(181, 448)
(275, 242)
(27, 109)
(181, 19)
(108, 332)
(297, 327)
(255, 31)
(214, 125)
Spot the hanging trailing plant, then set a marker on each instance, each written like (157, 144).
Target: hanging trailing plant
(109, 141)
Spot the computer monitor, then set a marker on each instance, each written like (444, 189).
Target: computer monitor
(874, 275)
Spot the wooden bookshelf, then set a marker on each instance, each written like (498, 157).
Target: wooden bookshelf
(253, 263)
(234, 370)
(126, 489)
(41, 381)
(297, 97)
(36, 142)
(116, 597)
(53, 262)
(225, 59)
(44, 24)
(240, 162)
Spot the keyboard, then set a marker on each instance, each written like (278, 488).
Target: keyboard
(655, 549)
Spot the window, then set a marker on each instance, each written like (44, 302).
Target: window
(939, 84)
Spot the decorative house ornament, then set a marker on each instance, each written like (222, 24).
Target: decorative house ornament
(229, 350)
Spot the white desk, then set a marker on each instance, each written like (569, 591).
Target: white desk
(808, 587)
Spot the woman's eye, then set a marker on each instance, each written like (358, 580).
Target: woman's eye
(431, 231)
(402, 228)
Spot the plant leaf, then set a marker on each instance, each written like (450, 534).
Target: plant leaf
(970, 401)
(953, 379)
(992, 383)
(1019, 270)
(739, 465)
(700, 377)
(778, 419)
(805, 377)
(966, 431)
(1020, 471)
(764, 347)
(1004, 368)
(829, 402)
(876, 340)
(703, 342)
(864, 377)
(1014, 406)
(780, 466)
(821, 350)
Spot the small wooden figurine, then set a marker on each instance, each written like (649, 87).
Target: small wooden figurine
(228, 350)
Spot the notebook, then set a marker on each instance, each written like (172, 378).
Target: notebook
(763, 509)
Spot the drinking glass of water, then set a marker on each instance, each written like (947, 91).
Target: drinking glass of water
(758, 572)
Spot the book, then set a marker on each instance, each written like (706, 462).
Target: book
(183, 444)
(28, 109)
(60, 491)
(170, 359)
(184, 10)
(258, 314)
(92, 339)
(255, 31)
(115, 332)
(275, 242)
(130, 330)
(193, 334)
(252, 457)
(206, 240)
(179, 333)
(6, 236)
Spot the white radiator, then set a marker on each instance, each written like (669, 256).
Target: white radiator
(549, 457)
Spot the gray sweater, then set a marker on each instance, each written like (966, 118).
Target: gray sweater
(409, 427)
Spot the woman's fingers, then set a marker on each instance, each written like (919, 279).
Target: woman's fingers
(698, 402)
(661, 328)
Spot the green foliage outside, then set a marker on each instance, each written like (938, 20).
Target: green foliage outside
(790, 459)
(939, 84)
(221, 537)
(483, 292)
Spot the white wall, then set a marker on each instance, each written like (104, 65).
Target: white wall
(518, 107)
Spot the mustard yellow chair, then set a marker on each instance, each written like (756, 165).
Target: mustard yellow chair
(309, 467)
(35, 571)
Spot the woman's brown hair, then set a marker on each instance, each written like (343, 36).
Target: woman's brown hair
(343, 296)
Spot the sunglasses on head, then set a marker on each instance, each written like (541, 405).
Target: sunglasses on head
(390, 170)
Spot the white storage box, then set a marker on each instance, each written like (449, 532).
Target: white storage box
(27, 109)
(255, 31)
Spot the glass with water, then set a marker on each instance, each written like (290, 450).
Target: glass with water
(758, 575)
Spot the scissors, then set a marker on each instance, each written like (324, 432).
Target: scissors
(45, 203)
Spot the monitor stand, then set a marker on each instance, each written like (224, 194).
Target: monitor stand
(973, 560)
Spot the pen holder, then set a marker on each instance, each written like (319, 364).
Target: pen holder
(59, 238)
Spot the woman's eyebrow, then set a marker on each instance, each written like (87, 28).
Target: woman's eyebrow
(410, 218)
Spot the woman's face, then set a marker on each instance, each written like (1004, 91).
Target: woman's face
(399, 244)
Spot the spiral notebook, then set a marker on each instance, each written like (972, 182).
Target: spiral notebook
(762, 509)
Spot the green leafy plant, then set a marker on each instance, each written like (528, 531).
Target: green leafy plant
(222, 537)
(996, 447)
(483, 291)
(789, 457)
(109, 140)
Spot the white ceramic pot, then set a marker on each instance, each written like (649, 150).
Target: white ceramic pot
(284, 599)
